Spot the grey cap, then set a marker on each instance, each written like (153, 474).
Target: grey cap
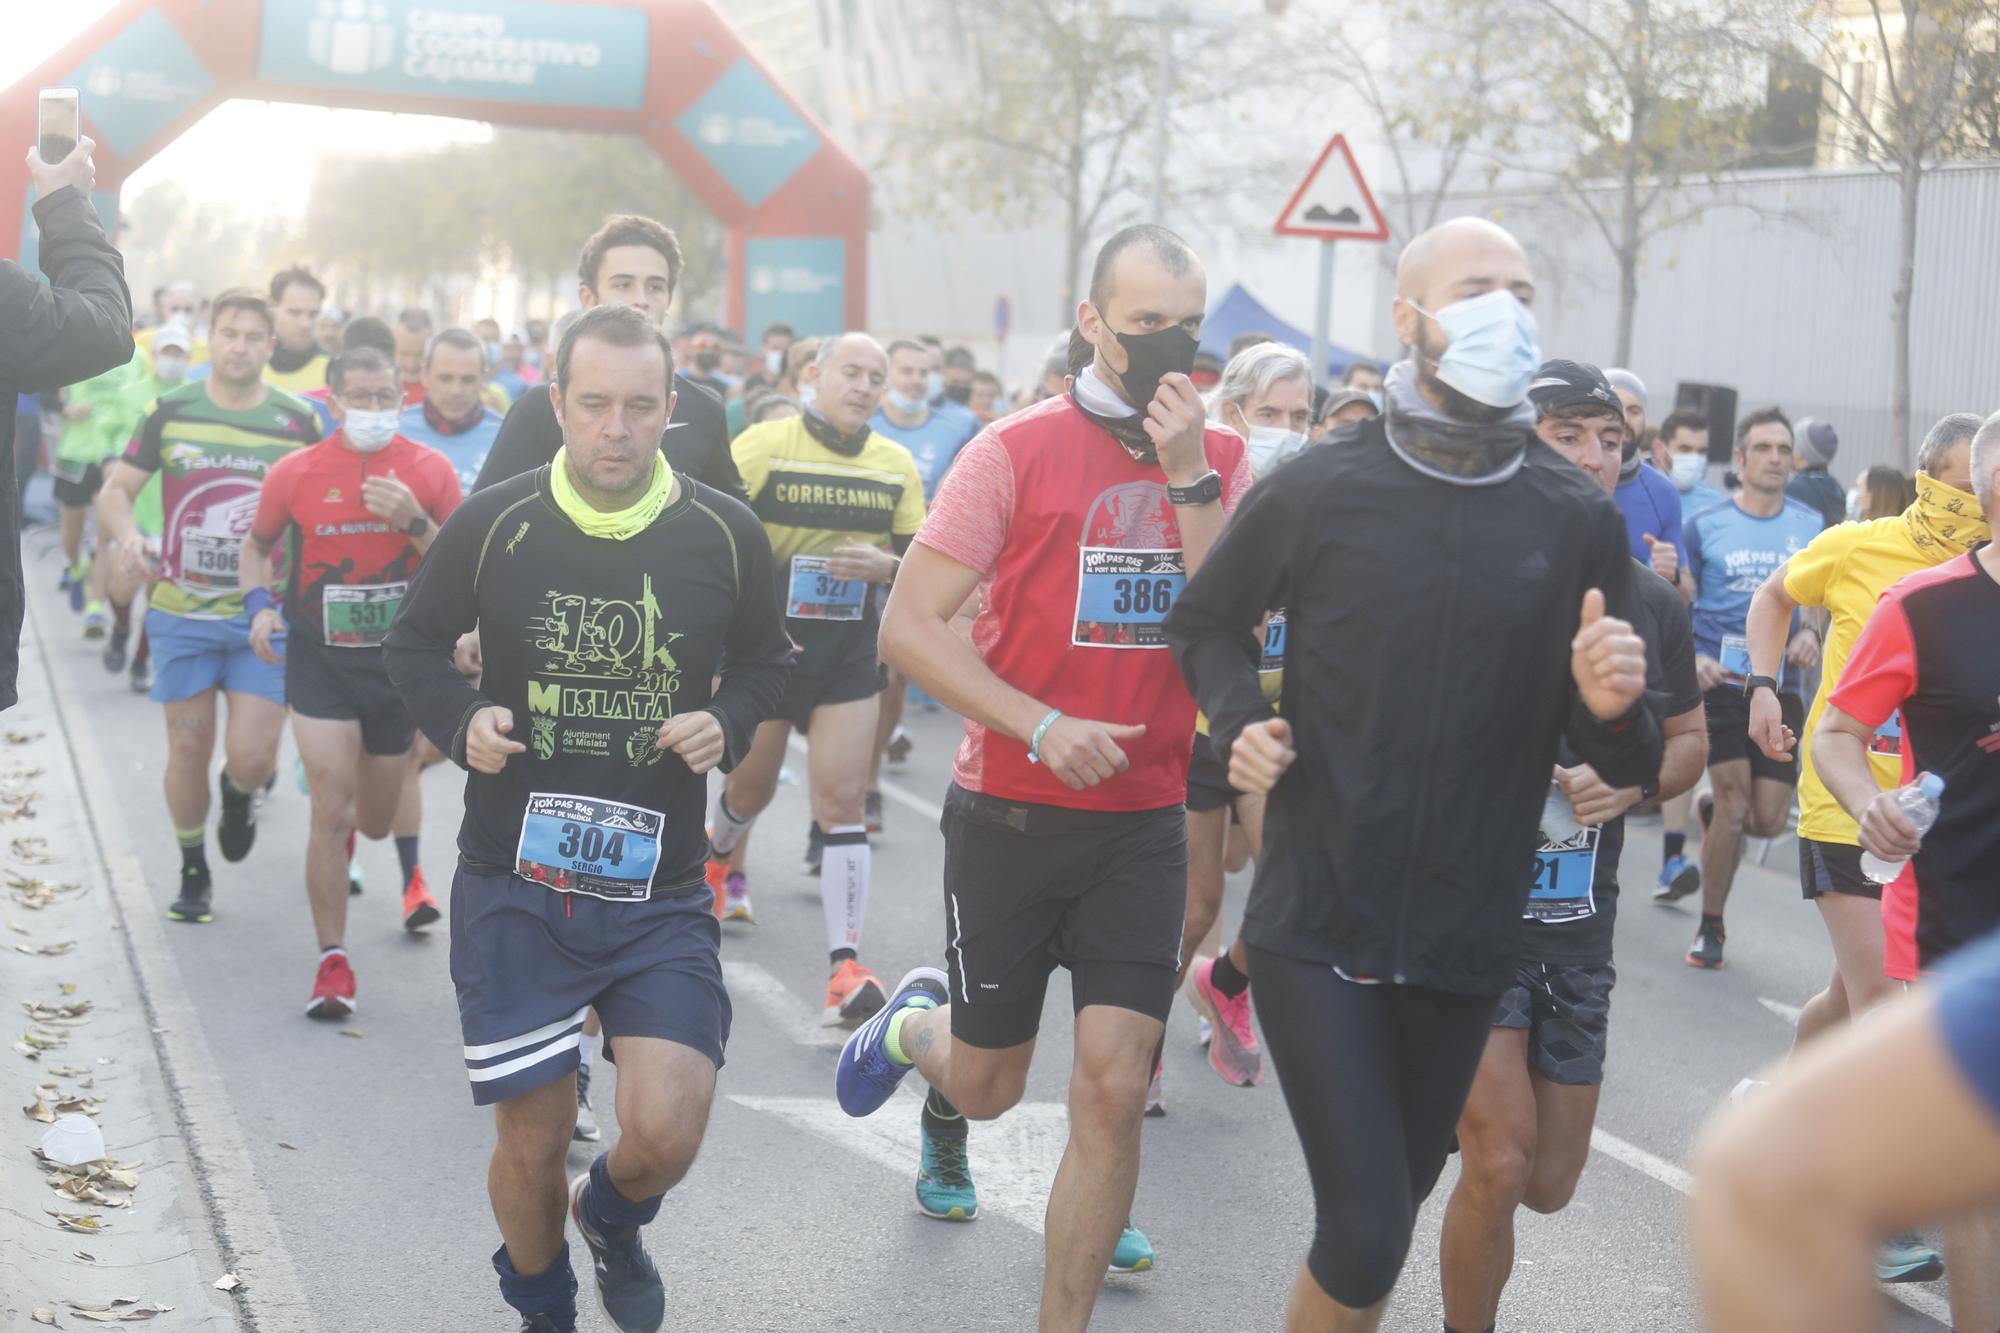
(1340, 398)
(1815, 441)
(1625, 380)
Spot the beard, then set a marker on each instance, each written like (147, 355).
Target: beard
(1455, 404)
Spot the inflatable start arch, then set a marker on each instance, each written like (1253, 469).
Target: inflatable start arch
(671, 72)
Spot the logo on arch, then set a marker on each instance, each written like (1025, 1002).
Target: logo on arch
(748, 132)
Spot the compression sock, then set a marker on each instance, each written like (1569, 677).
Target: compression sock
(194, 851)
(843, 885)
(406, 852)
(942, 1120)
(1226, 978)
(606, 1210)
(551, 1292)
(725, 830)
(1671, 845)
(1711, 923)
(892, 1037)
(586, 1050)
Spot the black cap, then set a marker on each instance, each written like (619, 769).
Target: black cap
(1566, 384)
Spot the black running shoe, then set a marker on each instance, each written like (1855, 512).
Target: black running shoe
(1707, 950)
(586, 1130)
(193, 904)
(628, 1286)
(541, 1323)
(114, 651)
(872, 807)
(237, 832)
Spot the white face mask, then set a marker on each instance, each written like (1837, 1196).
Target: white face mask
(902, 402)
(774, 362)
(934, 384)
(808, 395)
(170, 369)
(1272, 445)
(1687, 470)
(371, 431)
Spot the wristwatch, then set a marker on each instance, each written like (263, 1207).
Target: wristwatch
(1207, 489)
(419, 525)
(1755, 683)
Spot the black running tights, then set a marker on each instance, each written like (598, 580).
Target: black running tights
(1374, 1077)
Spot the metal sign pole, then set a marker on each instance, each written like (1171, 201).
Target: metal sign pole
(1323, 311)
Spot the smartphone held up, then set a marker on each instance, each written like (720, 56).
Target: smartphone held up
(58, 123)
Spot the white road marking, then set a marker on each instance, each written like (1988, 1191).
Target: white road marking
(1014, 1158)
(794, 1017)
(899, 794)
(1632, 1155)
(1788, 1012)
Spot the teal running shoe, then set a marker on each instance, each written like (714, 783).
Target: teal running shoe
(1906, 1258)
(1134, 1253)
(944, 1180)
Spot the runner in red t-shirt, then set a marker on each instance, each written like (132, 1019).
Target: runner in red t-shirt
(361, 508)
(1065, 835)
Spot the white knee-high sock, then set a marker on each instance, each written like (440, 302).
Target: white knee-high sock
(843, 885)
(725, 830)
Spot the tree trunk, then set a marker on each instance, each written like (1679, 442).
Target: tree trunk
(1911, 178)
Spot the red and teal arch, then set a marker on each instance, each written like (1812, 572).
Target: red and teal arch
(671, 72)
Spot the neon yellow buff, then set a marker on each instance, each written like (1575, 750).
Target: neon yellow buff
(620, 524)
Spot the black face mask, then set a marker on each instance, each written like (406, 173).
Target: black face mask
(958, 393)
(1151, 357)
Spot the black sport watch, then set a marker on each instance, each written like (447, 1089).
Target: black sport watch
(419, 525)
(1207, 489)
(1755, 683)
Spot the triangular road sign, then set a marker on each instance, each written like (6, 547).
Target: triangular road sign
(1333, 202)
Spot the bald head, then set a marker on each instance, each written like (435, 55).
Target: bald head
(1468, 253)
(851, 371)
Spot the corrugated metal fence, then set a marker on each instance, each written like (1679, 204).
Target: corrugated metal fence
(1781, 289)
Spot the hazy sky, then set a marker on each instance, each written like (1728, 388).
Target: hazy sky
(208, 159)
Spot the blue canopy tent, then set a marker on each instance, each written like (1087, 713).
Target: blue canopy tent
(1238, 312)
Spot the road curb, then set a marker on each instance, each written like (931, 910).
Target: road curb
(239, 1217)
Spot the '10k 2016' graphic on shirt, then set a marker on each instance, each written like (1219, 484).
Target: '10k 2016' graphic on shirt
(608, 677)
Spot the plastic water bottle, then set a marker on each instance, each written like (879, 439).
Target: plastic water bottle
(1919, 803)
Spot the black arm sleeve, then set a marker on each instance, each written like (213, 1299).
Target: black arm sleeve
(439, 607)
(757, 655)
(698, 443)
(80, 323)
(528, 438)
(1625, 752)
(1211, 629)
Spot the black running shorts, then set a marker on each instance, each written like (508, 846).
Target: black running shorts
(1566, 1012)
(1729, 732)
(1833, 867)
(348, 685)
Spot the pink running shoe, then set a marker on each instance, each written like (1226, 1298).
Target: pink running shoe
(1233, 1050)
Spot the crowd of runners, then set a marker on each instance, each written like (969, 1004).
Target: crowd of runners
(1416, 643)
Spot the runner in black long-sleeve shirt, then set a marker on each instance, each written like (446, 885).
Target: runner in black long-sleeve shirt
(609, 591)
(1433, 563)
(55, 333)
(637, 262)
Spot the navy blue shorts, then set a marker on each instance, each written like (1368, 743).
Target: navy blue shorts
(528, 963)
(1969, 1012)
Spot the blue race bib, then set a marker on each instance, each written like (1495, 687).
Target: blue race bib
(1123, 595)
(815, 594)
(579, 844)
(1735, 656)
(1565, 865)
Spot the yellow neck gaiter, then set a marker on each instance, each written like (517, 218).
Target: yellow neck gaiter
(622, 524)
(1944, 521)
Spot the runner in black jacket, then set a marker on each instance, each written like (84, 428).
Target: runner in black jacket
(76, 325)
(1433, 563)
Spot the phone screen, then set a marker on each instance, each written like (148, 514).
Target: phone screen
(58, 122)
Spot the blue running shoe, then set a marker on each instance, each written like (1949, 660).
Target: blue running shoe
(628, 1286)
(1134, 1253)
(1906, 1258)
(1678, 878)
(79, 580)
(944, 1180)
(866, 1077)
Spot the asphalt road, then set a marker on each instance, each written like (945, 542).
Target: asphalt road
(372, 1158)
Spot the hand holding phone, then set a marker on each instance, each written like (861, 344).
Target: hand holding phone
(61, 155)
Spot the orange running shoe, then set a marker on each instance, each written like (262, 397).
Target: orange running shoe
(716, 872)
(419, 908)
(853, 995)
(333, 988)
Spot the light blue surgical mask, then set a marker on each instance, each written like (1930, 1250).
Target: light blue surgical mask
(934, 385)
(1687, 470)
(1491, 353)
(1375, 397)
(902, 402)
(1270, 446)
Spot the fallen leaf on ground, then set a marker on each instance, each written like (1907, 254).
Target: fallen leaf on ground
(87, 1258)
(351, 1032)
(33, 851)
(55, 950)
(293, 1146)
(39, 1110)
(22, 737)
(43, 1315)
(228, 1282)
